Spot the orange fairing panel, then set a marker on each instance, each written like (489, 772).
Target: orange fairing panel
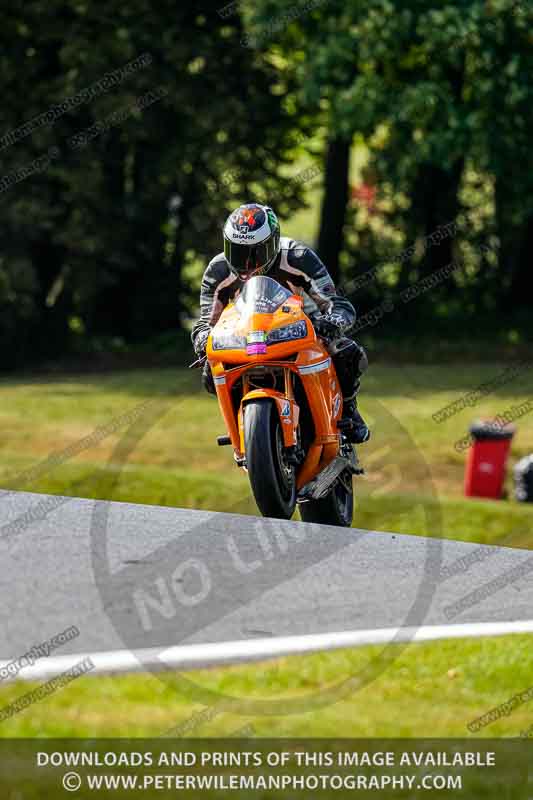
(223, 385)
(245, 326)
(252, 343)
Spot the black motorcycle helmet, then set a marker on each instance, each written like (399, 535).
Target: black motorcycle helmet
(251, 239)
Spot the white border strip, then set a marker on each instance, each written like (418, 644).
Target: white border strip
(196, 656)
(320, 366)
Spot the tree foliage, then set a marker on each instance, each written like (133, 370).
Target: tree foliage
(95, 239)
(92, 247)
(442, 96)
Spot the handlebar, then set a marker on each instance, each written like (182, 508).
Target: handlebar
(198, 363)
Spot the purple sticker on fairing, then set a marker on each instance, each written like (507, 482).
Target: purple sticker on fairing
(255, 349)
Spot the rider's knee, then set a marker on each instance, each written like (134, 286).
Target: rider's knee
(351, 352)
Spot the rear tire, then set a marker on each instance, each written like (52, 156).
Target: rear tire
(335, 509)
(271, 478)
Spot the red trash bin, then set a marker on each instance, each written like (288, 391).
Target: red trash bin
(485, 465)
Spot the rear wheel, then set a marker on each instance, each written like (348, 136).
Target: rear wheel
(334, 509)
(271, 477)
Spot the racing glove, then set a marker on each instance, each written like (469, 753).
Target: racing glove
(330, 326)
(200, 343)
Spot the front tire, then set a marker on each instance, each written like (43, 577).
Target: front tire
(272, 479)
(334, 509)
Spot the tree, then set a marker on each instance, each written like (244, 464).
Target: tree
(439, 92)
(94, 243)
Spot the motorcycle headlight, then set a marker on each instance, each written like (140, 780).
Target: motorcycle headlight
(298, 330)
(227, 341)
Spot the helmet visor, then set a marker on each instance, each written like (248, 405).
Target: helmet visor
(247, 259)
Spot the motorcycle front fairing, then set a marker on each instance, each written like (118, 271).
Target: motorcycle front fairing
(263, 332)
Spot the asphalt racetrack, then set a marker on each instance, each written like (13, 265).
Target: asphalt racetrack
(130, 576)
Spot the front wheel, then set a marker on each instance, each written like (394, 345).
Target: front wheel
(271, 477)
(334, 509)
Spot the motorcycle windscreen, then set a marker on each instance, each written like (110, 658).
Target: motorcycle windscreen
(262, 295)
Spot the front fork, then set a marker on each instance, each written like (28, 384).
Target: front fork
(287, 379)
(326, 443)
(287, 408)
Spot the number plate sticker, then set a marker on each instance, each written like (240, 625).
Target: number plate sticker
(256, 343)
(256, 337)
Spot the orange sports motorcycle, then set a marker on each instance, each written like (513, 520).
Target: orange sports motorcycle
(282, 405)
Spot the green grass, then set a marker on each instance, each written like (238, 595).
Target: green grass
(169, 457)
(413, 475)
(428, 690)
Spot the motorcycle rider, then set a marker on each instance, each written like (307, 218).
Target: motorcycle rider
(253, 246)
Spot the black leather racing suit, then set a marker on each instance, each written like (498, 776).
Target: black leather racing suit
(299, 269)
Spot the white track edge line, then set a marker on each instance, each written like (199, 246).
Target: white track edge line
(196, 656)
